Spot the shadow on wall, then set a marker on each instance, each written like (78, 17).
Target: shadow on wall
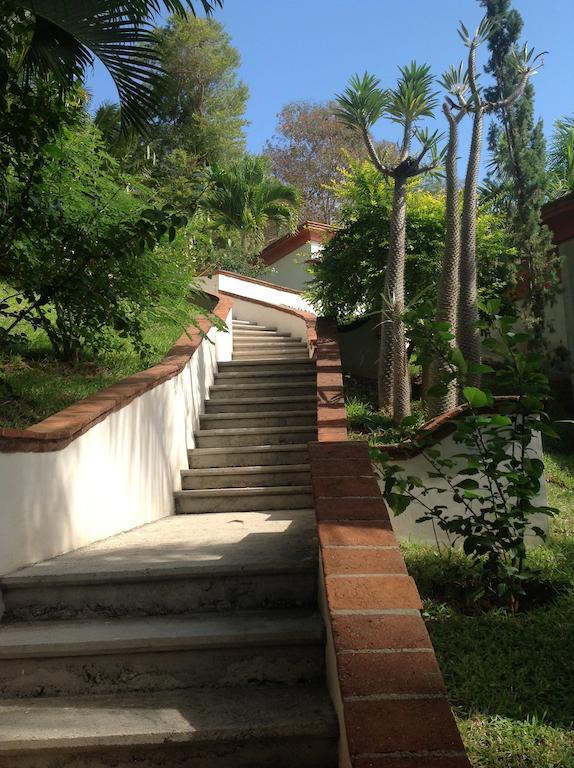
(359, 344)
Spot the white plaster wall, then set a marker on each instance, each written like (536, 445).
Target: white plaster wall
(292, 270)
(242, 286)
(118, 475)
(405, 525)
(271, 317)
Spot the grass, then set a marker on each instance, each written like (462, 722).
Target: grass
(34, 384)
(510, 678)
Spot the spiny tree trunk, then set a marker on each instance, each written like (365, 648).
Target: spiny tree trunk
(393, 331)
(448, 287)
(468, 335)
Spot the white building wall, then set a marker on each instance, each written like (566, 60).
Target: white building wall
(292, 270)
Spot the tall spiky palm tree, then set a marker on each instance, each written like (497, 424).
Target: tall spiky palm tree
(65, 37)
(561, 158)
(246, 198)
(468, 335)
(361, 105)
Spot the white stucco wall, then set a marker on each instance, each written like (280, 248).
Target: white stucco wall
(292, 270)
(118, 475)
(405, 525)
(241, 286)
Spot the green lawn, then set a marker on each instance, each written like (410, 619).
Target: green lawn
(34, 385)
(511, 678)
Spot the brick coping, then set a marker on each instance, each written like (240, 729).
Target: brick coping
(439, 427)
(385, 680)
(59, 430)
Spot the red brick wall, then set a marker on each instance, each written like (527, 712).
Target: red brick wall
(392, 701)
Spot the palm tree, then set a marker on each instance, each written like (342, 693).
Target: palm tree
(65, 37)
(468, 335)
(246, 198)
(561, 158)
(361, 105)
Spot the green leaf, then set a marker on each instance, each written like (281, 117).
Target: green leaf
(475, 397)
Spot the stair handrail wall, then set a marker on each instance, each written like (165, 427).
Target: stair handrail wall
(111, 461)
(382, 672)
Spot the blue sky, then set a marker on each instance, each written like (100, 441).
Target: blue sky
(308, 49)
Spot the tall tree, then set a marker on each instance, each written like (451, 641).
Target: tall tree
(361, 105)
(308, 150)
(468, 335)
(517, 146)
(561, 158)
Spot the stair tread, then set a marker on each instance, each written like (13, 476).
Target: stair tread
(291, 447)
(211, 544)
(159, 633)
(263, 385)
(254, 490)
(191, 716)
(250, 470)
(255, 414)
(264, 401)
(262, 361)
(253, 431)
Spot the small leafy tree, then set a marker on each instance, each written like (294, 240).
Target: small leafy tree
(361, 105)
(494, 478)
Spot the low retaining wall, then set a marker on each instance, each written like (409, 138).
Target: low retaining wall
(110, 462)
(381, 668)
(223, 281)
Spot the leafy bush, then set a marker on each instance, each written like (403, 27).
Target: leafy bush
(494, 480)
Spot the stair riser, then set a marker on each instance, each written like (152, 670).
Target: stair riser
(160, 598)
(238, 458)
(266, 345)
(225, 441)
(266, 377)
(247, 481)
(255, 421)
(161, 671)
(241, 335)
(283, 406)
(256, 503)
(311, 751)
(271, 354)
(281, 391)
(303, 367)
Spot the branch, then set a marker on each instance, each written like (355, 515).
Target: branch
(374, 155)
(509, 100)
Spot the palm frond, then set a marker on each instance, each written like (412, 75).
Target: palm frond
(413, 97)
(362, 102)
(68, 36)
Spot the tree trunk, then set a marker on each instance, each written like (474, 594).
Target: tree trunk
(468, 335)
(393, 340)
(448, 287)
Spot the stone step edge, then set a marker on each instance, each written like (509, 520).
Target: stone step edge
(272, 361)
(74, 725)
(253, 431)
(257, 469)
(256, 414)
(257, 490)
(263, 401)
(264, 448)
(198, 631)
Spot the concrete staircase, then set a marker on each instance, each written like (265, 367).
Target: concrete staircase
(194, 641)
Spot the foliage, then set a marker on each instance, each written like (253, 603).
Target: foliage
(561, 158)
(518, 179)
(307, 151)
(508, 675)
(494, 479)
(349, 279)
(246, 198)
(84, 262)
(60, 41)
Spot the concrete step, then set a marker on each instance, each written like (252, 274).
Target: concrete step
(224, 438)
(246, 477)
(267, 343)
(246, 456)
(180, 564)
(247, 499)
(262, 375)
(160, 653)
(256, 404)
(251, 420)
(261, 333)
(266, 389)
(267, 355)
(304, 365)
(287, 727)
